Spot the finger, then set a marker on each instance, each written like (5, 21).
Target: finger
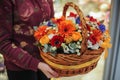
(53, 73)
(49, 75)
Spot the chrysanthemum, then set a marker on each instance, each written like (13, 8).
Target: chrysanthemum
(56, 41)
(66, 27)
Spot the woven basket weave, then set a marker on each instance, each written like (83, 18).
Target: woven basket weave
(72, 64)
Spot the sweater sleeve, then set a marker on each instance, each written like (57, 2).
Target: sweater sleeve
(13, 53)
(51, 7)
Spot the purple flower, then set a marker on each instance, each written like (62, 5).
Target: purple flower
(49, 23)
(78, 20)
(102, 27)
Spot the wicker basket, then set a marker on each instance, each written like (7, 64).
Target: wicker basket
(72, 64)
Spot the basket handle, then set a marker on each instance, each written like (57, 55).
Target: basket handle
(83, 22)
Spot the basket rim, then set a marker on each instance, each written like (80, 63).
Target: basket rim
(65, 67)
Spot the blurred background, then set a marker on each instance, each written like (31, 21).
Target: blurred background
(99, 9)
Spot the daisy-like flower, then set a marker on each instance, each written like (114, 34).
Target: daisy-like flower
(41, 31)
(57, 41)
(66, 27)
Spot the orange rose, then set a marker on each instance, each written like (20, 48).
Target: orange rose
(44, 40)
(76, 36)
(68, 39)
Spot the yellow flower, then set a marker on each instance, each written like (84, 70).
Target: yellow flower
(76, 36)
(44, 40)
(106, 44)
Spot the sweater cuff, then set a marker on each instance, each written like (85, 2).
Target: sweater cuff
(34, 64)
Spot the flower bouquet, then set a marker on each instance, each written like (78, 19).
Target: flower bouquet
(72, 44)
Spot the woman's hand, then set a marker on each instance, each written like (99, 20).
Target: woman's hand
(47, 70)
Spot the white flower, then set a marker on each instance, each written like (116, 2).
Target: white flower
(44, 23)
(44, 50)
(78, 42)
(50, 36)
(95, 46)
(54, 48)
(48, 28)
(89, 44)
(65, 48)
(78, 46)
(91, 32)
(79, 31)
(88, 34)
(71, 18)
(78, 51)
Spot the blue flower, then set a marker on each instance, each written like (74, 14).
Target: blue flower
(78, 20)
(102, 27)
(49, 23)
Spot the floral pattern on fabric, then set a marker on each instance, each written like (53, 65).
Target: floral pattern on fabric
(20, 29)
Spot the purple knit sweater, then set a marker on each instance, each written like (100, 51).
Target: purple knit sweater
(20, 51)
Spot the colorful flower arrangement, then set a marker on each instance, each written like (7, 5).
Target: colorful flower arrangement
(63, 35)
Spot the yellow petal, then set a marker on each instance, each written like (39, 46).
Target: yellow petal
(106, 53)
(106, 45)
(107, 40)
